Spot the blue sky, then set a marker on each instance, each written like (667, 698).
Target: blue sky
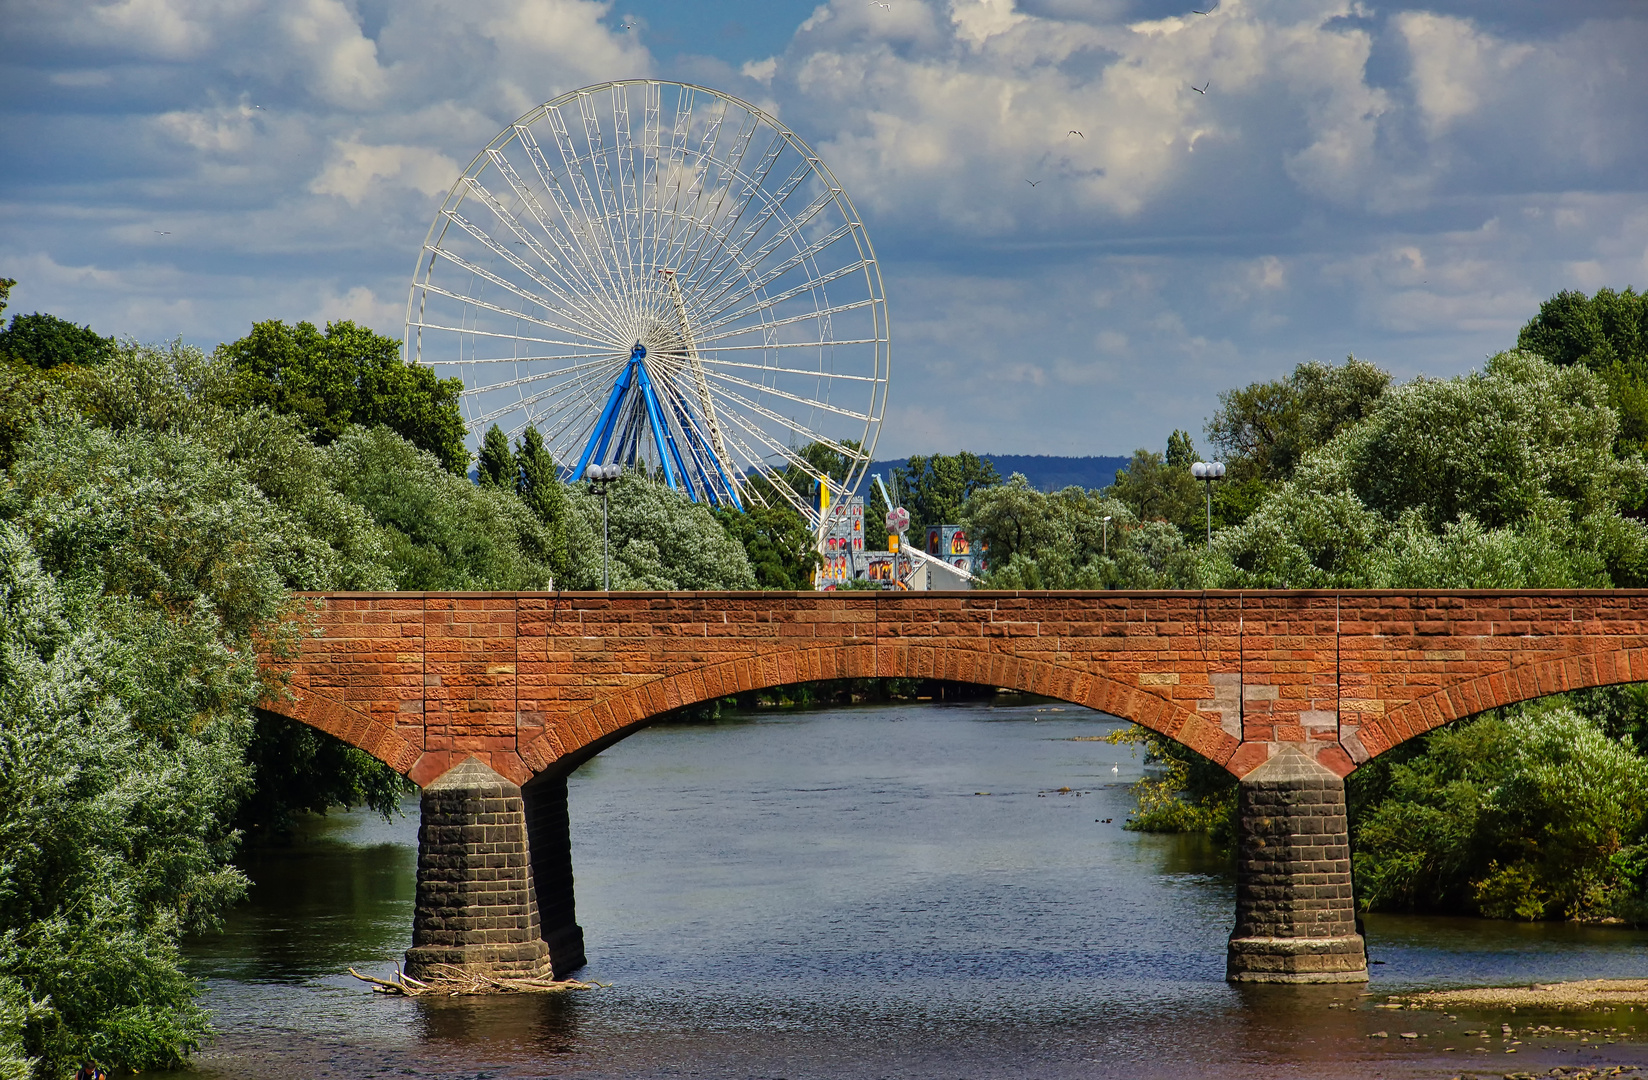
(1405, 183)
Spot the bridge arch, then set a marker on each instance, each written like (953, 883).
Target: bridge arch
(1511, 685)
(586, 732)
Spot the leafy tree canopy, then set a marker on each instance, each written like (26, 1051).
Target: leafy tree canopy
(659, 540)
(348, 375)
(781, 547)
(1607, 333)
(45, 341)
(1273, 425)
(933, 488)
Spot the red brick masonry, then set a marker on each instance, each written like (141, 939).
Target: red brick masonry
(539, 681)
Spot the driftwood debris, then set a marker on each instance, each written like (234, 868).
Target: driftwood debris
(453, 981)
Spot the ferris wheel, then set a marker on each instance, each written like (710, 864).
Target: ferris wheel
(658, 275)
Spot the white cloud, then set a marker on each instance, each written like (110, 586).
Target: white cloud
(356, 169)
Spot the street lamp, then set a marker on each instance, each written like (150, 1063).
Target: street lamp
(1207, 472)
(1107, 536)
(599, 477)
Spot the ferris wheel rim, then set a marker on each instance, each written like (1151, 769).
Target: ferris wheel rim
(858, 459)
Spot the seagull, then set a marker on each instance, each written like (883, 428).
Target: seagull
(1033, 183)
(882, 6)
(260, 107)
(1209, 11)
(1203, 88)
(1076, 133)
(162, 232)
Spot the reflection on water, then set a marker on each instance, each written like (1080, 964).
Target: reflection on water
(880, 891)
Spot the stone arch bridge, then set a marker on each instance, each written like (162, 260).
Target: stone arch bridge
(489, 700)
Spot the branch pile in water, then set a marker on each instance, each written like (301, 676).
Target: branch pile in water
(449, 981)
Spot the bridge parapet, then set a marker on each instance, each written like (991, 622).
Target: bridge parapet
(536, 682)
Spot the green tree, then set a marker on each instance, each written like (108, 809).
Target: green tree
(1530, 812)
(348, 375)
(1153, 489)
(780, 545)
(933, 488)
(661, 540)
(45, 341)
(1607, 333)
(6, 286)
(441, 531)
(1273, 425)
(539, 485)
(1061, 540)
(1502, 478)
(496, 465)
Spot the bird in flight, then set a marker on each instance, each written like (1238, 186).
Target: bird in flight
(260, 107)
(882, 6)
(1203, 88)
(162, 232)
(1209, 11)
(1076, 133)
(1032, 183)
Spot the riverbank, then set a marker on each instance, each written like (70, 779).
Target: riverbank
(1582, 994)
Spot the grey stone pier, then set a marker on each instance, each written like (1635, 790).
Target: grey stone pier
(477, 911)
(1295, 919)
(549, 838)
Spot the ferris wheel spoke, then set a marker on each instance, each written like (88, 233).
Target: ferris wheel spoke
(767, 303)
(679, 152)
(784, 235)
(510, 286)
(699, 221)
(771, 205)
(609, 363)
(591, 217)
(820, 313)
(510, 313)
(605, 188)
(527, 238)
(788, 455)
(781, 420)
(525, 402)
(575, 251)
(786, 395)
(807, 373)
(715, 303)
(751, 186)
(466, 331)
(797, 345)
(476, 361)
(629, 198)
(722, 218)
(570, 300)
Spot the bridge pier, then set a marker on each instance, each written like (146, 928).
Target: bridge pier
(549, 838)
(477, 912)
(1295, 919)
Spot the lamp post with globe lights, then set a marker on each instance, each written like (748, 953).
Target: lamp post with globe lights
(1207, 472)
(600, 477)
(1107, 535)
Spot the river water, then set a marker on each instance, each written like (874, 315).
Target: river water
(878, 891)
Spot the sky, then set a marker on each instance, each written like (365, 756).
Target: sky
(1273, 182)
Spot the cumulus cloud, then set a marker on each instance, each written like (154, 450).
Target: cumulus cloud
(1401, 181)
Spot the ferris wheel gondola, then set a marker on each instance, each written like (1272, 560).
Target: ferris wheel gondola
(661, 276)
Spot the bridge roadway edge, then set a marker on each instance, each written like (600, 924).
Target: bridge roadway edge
(1289, 691)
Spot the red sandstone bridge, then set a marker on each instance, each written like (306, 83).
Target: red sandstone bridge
(488, 700)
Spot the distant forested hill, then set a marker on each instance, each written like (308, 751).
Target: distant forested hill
(1045, 473)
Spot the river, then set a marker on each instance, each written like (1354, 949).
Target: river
(878, 891)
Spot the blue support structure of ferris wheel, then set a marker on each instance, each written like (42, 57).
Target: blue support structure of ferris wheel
(635, 377)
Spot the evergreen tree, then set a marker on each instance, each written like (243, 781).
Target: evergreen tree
(495, 467)
(538, 483)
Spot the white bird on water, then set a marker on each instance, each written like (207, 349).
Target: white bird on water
(1115, 769)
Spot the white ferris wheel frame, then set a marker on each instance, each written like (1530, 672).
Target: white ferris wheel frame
(701, 297)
